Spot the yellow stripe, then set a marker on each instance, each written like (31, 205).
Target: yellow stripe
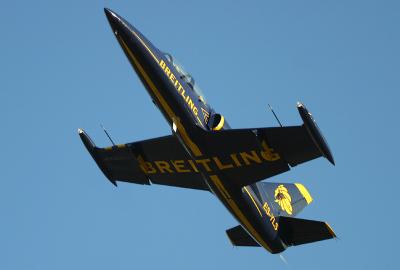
(111, 147)
(195, 149)
(304, 192)
(251, 197)
(144, 44)
(239, 213)
(221, 123)
(201, 123)
(331, 230)
(155, 58)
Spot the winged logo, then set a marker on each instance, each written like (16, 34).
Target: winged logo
(283, 198)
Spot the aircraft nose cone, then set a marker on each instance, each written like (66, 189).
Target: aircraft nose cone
(109, 13)
(112, 18)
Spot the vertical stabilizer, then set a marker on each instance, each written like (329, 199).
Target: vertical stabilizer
(285, 199)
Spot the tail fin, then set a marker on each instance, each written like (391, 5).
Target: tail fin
(295, 231)
(285, 199)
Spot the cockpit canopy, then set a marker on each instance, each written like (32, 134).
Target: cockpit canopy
(186, 77)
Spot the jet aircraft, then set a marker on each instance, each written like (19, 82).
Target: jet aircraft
(204, 153)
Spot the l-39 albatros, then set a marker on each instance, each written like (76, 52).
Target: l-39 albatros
(204, 153)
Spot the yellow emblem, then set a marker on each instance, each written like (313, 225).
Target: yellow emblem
(282, 197)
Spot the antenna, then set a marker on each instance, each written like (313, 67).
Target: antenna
(108, 135)
(276, 117)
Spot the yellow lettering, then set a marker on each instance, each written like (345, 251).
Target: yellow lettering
(266, 209)
(193, 165)
(183, 93)
(268, 154)
(179, 166)
(222, 166)
(236, 160)
(272, 219)
(162, 64)
(253, 156)
(180, 88)
(190, 103)
(163, 166)
(172, 77)
(147, 167)
(167, 71)
(274, 223)
(204, 162)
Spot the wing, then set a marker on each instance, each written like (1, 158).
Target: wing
(298, 144)
(251, 155)
(144, 162)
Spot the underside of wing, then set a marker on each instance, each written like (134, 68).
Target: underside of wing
(246, 156)
(298, 144)
(145, 162)
(239, 156)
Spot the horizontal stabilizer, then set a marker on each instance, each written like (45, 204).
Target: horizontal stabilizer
(239, 237)
(295, 231)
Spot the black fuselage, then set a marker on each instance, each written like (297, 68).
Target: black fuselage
(189, 117)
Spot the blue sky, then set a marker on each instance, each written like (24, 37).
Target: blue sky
(61, 68)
